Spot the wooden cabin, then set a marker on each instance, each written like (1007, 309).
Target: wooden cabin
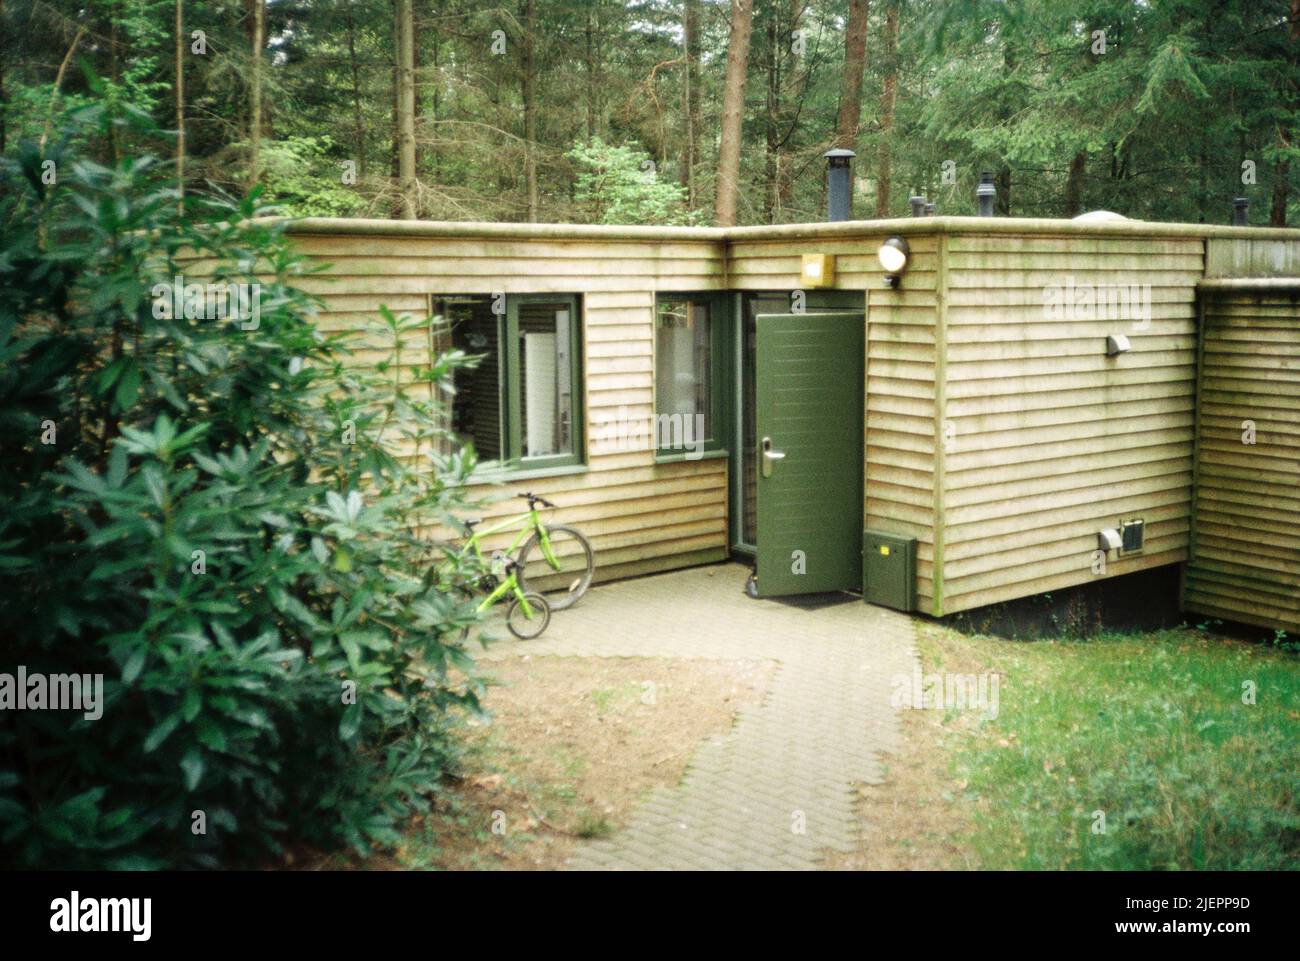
(1013, 413)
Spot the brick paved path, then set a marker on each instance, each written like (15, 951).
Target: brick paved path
(792, 762)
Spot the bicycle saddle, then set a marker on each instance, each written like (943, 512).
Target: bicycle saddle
(469, 523)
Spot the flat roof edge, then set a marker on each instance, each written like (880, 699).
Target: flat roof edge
(846, 228)
(1011, 225)
(1249, 283)
(474, 229)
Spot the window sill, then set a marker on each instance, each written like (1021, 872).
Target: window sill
(677, 457)
(507, 475)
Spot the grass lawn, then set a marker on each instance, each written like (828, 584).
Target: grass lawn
(1147, 736)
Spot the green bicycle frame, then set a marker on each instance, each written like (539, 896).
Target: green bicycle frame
(534, 523)
(509, 586)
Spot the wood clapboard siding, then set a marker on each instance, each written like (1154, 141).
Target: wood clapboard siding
(777, 265)
(1048, 440)
(1245, 557)
(997, 434)
(901, 421)
(640, 516)
(1252, 257)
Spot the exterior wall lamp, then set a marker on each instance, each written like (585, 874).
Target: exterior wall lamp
(894, 255)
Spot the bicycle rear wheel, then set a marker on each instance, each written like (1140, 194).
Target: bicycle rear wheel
(562, 586)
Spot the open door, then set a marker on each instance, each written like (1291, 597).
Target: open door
(808, 380)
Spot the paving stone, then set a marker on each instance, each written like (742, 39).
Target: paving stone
(818, 733)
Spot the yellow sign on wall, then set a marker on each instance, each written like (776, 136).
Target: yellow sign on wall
(818, 270)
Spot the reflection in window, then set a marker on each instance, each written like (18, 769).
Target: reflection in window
(467, 323)
(545, 379)
(683, 361)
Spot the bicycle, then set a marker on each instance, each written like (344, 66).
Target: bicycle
(561, 560)
(533, 606)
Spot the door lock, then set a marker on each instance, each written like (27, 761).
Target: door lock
(769, 456)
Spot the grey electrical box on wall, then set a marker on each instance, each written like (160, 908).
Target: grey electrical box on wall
(889, 570)
(1131, 535)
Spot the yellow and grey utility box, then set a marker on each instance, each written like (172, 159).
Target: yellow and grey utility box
(889, 570)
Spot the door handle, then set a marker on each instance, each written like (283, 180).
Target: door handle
(769, 456)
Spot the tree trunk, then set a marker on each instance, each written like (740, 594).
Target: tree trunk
(4, 98)
(359, 127)
(115, 72)
(180, 97)
(771, 125)
(397, 87)
(691, 106)
(590, 63)
(855, 61)
(258, 42)
(255, 93)
(1074, 184)
(528, 83)
(58, 86)
(733, 112)
(888, 94)
(1281, 185)
(793, 97)
(1203, 182)
(406, 185)
(1282, 166)
(415, 85)
(435, 97)
(1002, 180)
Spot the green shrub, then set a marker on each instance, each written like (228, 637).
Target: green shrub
(619, 185)
(302, 180)
(227, 672)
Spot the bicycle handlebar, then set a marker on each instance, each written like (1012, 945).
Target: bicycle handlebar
(534, 499)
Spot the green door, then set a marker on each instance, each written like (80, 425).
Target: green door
(808, 380)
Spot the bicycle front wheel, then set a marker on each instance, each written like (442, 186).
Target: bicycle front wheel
(526, 626)
(563, 582)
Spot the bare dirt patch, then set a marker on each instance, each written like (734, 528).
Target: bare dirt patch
(918, 820)
(573, 745)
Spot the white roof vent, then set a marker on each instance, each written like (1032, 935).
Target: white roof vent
(1100, 217)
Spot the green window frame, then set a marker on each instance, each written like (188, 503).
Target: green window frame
(564, 429)
(718, 398)
(512, 377)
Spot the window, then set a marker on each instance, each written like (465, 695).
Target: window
(520, 406)
(545, 378)
(690, 373)
(468, 324)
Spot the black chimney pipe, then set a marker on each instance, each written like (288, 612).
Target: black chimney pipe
(930, 209)
(839, 184)
(1240, 212)
(985, 193)
(918, 206)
